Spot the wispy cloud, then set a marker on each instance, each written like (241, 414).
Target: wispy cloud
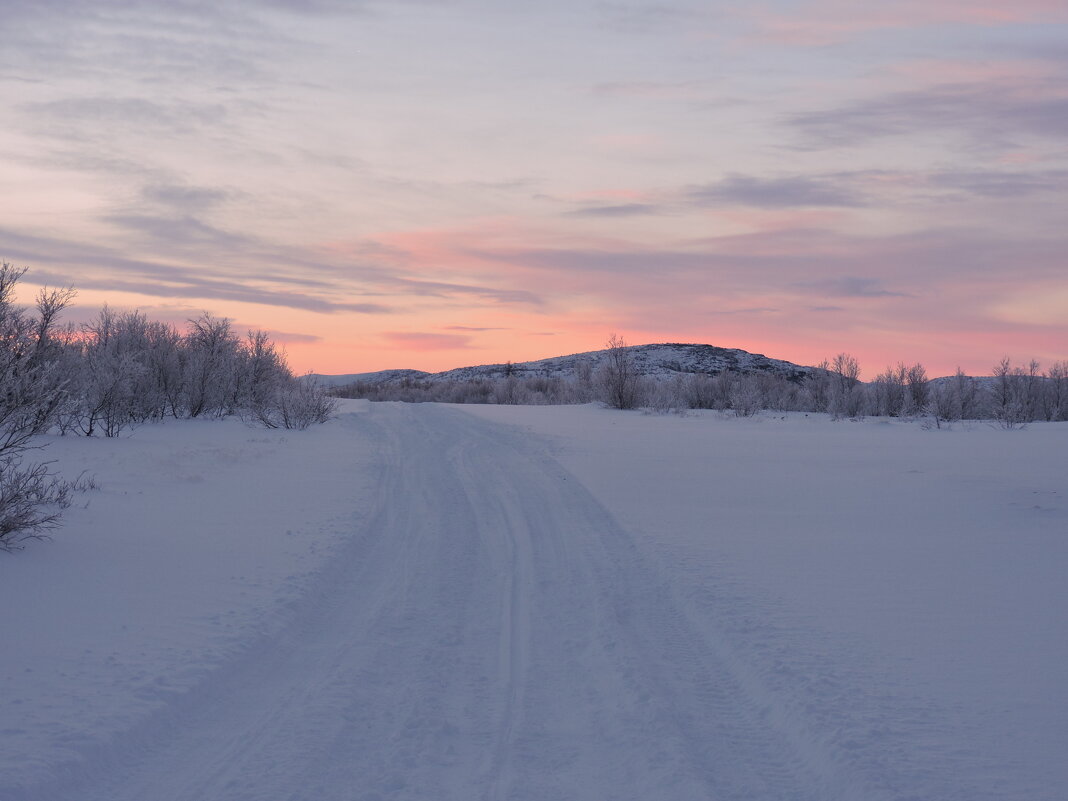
(988, 115)
(849, 287)
(78, 117)
(656, 90)
(746, 311)
(645, 18)
(183, 230)
(283, 337)
(299, 155)
(417, 340)
(1002, 184)
(60, 262)
(823, 22)
(616, 211)
(185, 198)
(779, 193)
(442, 289)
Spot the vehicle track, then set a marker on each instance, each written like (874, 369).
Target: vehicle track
(490, 633)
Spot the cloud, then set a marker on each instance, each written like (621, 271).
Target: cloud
(778, 193)
(473, 328)
(991, 114)
(956, 269)
(656, 90)
(751, 310)
(407, 340)
(282, 337)
(818, 23)
(603, 261)
(621, 210)
(185, 198)
(78, 117)
(441, 289)
(644, 18)
(849, 287)
(401, 260)
(185, 230)
(1003, 184)
(212, 289)
(94, 267)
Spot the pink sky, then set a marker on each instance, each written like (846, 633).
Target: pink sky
(410, 185)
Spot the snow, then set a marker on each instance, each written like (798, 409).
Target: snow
(425, 601)
(658, 361)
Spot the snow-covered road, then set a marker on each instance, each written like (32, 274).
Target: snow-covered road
(492, 631)
(492, 634)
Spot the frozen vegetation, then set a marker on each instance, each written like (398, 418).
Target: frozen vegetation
(119, 371)
(676, 377)
(517, 602)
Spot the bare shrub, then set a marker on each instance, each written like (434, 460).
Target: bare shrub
(887, 392)
(746, 396)
(919, 389)
(618, 380)
(1056, 401)
(846, 397)
(297, 404)
(32, 499)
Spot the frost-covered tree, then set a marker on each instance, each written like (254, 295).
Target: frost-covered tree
(1056, 396)
(210, 366)
(918, 389)
(618, 378)
(846, 398)
(32, 390)
(887, 392)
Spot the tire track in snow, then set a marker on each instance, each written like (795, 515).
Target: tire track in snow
(491, 633)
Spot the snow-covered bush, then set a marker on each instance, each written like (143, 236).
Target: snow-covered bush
(619, 383)
(31, 500)
(119, 370)
(211, 353)
(297, 403)
(746, 396)
(32, 390)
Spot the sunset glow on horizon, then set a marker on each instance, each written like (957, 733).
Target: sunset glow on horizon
(414, 184)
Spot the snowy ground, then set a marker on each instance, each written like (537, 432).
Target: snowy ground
(433, 602)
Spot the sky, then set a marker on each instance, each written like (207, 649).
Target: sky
(437, 183)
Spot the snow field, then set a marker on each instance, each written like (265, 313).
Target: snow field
(900, 591)
(545, 602)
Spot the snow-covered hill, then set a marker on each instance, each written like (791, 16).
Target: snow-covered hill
(657, 361)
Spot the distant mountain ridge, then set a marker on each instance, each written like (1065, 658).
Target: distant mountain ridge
(657, 361)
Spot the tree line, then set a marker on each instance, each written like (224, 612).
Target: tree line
(116, 371)
(1011, 397)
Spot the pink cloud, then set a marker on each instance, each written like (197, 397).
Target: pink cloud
(788, 282)
(419, 341)
(1020, 157)
(822, 22)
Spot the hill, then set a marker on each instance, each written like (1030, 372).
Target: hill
(656, 361)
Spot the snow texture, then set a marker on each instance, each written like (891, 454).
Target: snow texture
(424, 601)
